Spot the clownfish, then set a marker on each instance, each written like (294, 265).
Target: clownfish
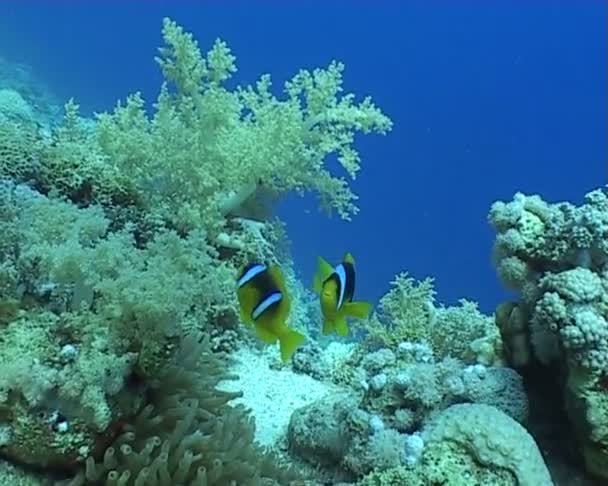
(265, 304)
(336, 288)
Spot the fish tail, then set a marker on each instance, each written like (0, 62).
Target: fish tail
(360, 310)
(328, 327)
(265, 335)
(289, 341)
(341, 326)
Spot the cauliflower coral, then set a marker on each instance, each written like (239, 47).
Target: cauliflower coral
(556, 256)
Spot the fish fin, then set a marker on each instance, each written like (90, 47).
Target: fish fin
(246, 318)
(284, 307)
(348, 258)
(324, 270)
(317, 283)
(360, 310)
(265, 335)
(246, 297)
(341, 326)
(328, 327)
(290, 341)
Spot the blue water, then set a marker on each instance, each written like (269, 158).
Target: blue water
(486, 100)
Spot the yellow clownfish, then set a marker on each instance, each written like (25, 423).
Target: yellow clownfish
(336, 287)
(264, 303)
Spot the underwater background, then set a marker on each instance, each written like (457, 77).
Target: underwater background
(303, 243)
(486, 100)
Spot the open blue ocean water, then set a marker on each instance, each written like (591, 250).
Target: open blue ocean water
(487, 99)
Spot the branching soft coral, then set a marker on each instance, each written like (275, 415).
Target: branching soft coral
(405, 313)
(204, 141)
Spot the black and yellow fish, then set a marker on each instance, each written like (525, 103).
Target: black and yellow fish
(265, 304)
(336, 287)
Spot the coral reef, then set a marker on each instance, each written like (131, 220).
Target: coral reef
(123, 358)
(408, 313)
(186, 433)
(471, 444)
(493, 438)
(121, 238)
(556, 257)
(25, 97)
(377, 423)
(16, 476)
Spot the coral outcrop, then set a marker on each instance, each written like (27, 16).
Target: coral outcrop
(556, 257)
